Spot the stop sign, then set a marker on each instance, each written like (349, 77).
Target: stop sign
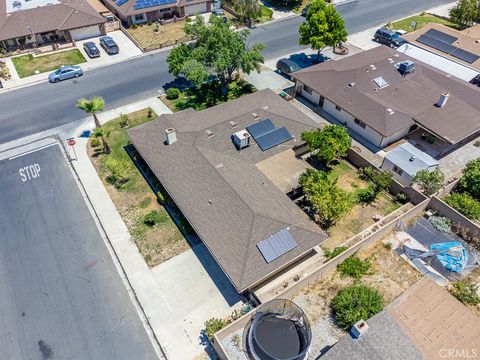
(71, 142)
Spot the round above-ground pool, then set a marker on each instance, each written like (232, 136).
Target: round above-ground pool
(279, 330)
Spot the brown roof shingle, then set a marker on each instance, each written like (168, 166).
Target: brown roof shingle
(229, 202)
(412, 98)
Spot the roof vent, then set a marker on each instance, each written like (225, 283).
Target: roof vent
(390, 111)
(373, 67)
(233, 124)
(443, 99)
(359, 329)
(171, 136)
(255, 116)
(265, 107)
(412, 158)
(210, 134)
(351, 84)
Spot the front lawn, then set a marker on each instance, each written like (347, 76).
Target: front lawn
(155, 233)
(26, 65)
(421, 20)
(207, 96)
(168, 34)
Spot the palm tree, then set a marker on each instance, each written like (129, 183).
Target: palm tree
(91, 106)
(102, 133)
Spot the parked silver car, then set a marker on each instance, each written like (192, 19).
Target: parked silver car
(65, 72)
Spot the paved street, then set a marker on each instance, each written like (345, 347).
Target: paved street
(61, 295)
(44, 106)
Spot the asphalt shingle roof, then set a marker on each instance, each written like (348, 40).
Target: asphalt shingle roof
(411, 98)
(229, 202)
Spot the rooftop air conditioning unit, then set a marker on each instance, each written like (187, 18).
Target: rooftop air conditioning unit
(406, 67)
(241, 139)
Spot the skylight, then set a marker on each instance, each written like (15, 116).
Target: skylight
(380, 81)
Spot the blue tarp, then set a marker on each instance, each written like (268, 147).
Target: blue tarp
(452, 255)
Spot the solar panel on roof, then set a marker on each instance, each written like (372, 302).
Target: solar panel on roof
(273, 138)
(260, 128)
(436, 44)
(276, 245)
(142, 4)
(120, 2)
(465, 55)
(439, 35)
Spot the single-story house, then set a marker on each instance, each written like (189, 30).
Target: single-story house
(207, 162)
(142, 11)
(371, 94)
(424, 323)
(36, 22)
(459, 46)
(405, 161)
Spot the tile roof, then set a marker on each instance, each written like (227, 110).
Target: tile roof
(229, 202)
(403, 154)
(417, 325)
(412, 98)
(69, 14)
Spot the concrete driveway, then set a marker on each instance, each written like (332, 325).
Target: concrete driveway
(127, 50)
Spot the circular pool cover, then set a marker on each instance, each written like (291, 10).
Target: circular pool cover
(279, 330)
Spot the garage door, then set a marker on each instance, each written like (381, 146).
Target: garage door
(85, 32)
(195, 9)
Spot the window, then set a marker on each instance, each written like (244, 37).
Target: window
(165, 10)
(397, 170)
(139, 17)
(307, 89)
(360, 123)
(338, 108)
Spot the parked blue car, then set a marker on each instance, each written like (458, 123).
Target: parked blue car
(64, 73)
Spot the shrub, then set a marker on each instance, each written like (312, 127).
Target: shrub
(354, 267)
(154, 217)
(381, 179)
(401, 197)
(465, 204)
(134, 26)
(118, 169)
(123, 120)
(150, 113)
(387, 246)
(470, 181)
(476, 143)
(149, 23)
(94, 143)
(441, 223)
(367, 196)
(466, 292)
(354, 303)
(172, 93)
(429, 181)
(330, 254)
(212, 326)
(188, 19)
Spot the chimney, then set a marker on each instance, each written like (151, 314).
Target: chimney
(171, 136)
(443, 99)
(255, 116)
(359, 329)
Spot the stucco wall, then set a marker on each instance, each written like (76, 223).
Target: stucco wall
(403, 179)
(314, 97)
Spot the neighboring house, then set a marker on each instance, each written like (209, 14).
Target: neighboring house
(425, 323)
(250, 226)
(405, 161)
(141, 11)
(460, 46)
(38, 22)
(369, 94)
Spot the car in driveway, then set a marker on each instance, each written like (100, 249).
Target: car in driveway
(91, 49)
(388, 37)
(109, 45)
(287, 67)
(64, 73)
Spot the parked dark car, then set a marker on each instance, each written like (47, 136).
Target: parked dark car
(109, 45)
(388, 37)
(91, 49)
(475, 80)
(305, 10)
(287, 67)
(65, 72)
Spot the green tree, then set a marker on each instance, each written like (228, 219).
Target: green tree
(466, 13)
(465, 204)
(354, 303)
(102, 133)
(92, 106)
(247, 9)
(323, 27)
(217, 51)
(328, 201)
(429, 181)
(466, 291)
(330, 143)
(470, 181)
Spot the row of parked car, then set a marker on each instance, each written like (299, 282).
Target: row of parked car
(91, 49)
